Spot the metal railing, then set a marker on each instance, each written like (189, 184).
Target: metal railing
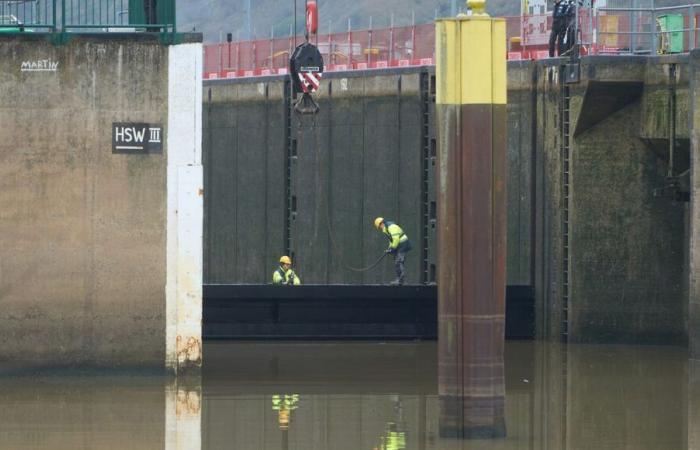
(23, 16)
(87, 15)
(412, 45)
(647, 30)
(355, 49)
(625, 27)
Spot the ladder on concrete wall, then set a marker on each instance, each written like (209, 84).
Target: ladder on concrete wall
(565, 186)
(291, 150)
(425, 174)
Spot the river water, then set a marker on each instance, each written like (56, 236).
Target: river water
(363, 395)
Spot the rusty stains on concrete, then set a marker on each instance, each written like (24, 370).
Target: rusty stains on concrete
(189, 351)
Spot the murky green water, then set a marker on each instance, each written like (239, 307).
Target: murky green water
(362, 396)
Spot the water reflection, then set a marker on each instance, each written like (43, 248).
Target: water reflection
(362, 396)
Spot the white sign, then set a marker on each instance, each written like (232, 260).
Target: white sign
(40, 65)
(137, 138)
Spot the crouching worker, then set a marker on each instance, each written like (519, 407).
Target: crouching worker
(284, 273)
(399, 245)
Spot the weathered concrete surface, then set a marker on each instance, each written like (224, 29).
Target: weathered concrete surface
(694, 213)
(627, 260)
(626, 243)
(82, 230)
(522, 133)
(185, 210)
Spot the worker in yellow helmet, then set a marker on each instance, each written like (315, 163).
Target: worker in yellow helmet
(399, 245)
(284, 273)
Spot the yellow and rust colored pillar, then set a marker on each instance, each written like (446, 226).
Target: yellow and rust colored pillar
(471, 113)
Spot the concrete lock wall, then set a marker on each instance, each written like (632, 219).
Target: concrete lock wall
(90, 237)
(627, 241)
(628, 238)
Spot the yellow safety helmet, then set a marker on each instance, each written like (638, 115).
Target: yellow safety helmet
(378, 221)
(286, 260)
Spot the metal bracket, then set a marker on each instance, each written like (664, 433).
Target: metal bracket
(673, 190)
(306, 105)
(572, 73)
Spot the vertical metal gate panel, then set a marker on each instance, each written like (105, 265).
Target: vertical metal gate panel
(346, 185)
(244, 182)
(309, 187)
(381, 162)
(410, 171)
(276, 181)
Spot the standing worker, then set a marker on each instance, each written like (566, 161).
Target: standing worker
(560, 21)
(399, 245)
(284, 273)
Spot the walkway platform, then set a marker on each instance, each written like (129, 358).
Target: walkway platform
(340, 312)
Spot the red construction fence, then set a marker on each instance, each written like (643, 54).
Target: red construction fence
(611, 31)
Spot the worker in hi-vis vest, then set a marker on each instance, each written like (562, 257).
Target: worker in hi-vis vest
(399, 245)
(284, 273)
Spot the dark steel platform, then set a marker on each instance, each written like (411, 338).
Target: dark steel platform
(340, 312)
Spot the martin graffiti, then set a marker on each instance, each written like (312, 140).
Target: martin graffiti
(39, 65)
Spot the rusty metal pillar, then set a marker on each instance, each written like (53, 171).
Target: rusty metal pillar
(471, 113)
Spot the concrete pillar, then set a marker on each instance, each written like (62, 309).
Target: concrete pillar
(185, 210)
(471, 114)
(694, 231)
(100, 242)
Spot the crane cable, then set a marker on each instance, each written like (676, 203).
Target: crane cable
(334, 245)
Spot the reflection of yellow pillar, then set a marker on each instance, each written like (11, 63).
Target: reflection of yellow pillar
(283, 418)
(284, 405)
(471, 113)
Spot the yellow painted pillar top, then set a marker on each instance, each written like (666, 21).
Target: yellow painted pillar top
(478, 7)
(470, 58)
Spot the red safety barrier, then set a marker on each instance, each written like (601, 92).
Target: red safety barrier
(528, 38)
(355, 50)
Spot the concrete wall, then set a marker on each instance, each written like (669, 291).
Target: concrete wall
(693, 224)
(627, 246)
(522, 134)
(83, 231)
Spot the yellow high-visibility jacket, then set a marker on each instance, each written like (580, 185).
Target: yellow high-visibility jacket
(395, 235)
(279, 276)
